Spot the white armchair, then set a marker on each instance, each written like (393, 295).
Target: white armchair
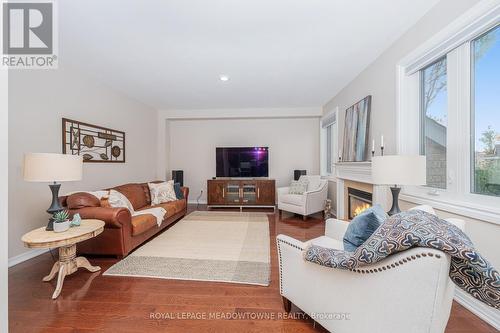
(312, 201)
(407, 292)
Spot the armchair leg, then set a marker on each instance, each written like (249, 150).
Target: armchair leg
(280, 213)
(304, 217)
(287, 304)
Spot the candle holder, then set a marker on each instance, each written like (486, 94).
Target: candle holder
(373, 153)
(382, 151)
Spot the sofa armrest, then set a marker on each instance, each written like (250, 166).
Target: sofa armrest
(112, 217)
(336, 229)
(315, 200)
(185, 192)
(289, 260)
(322, 188)
(285, 240)
(282, 190)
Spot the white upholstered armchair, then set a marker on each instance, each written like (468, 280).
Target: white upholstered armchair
(407, 292)
(312, 201)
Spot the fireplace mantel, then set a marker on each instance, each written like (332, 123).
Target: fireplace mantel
(360, 172)
(356, 171)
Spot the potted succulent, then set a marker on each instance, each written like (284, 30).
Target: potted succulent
(61, 221)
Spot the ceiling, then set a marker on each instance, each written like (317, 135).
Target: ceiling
(277, 53)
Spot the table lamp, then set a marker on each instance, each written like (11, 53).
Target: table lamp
(398, 170)
(52, 168)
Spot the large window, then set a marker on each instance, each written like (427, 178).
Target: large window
(449, 111)
(486, 113)
(329, 142)
(329, 149)
(433, 121)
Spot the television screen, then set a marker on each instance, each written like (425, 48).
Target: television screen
(242, 162)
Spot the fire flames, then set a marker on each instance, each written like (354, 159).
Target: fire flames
(360, 208)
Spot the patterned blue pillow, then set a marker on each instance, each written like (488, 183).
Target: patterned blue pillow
(178, 191)
(363, 226)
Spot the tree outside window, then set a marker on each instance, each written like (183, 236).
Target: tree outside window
(486, 113)
(434, 113)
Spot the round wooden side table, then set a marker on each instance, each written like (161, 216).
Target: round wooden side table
(66, 242)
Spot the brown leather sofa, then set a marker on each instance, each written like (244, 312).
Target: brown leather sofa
(122, 232)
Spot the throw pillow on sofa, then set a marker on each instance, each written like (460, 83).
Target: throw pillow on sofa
(363, 226)
(162, 192)
(178, 191)
(298, 186)
(117, 199)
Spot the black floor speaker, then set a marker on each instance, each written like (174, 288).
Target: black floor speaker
(178, 176)
(298, 173)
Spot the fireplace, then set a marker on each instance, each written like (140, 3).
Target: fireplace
(357, 201)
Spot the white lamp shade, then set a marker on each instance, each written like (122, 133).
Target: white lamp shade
(47, 167)
(399, 170)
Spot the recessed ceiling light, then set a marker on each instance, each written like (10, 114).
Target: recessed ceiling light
(224, 78)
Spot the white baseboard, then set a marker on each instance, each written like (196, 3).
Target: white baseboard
(26, 256)
(486, 313)
(193, 202)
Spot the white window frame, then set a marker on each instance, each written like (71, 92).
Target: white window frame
(454, 42)
(324, 144)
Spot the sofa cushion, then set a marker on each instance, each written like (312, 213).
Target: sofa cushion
(137, 194)
(363, 226)
(180, 205)
(142, 223)
(82, 199)
(293, 199)
(168, 206)
(173, 207)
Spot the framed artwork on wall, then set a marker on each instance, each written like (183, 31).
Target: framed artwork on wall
(356, 127)
(94, 143)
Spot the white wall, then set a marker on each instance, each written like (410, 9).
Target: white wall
(38, 99)
(379, 80)
(4, 197)
(293, 144)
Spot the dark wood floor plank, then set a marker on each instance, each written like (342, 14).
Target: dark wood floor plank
(91, 302)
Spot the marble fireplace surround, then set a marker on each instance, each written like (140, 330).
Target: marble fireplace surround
(358, 175)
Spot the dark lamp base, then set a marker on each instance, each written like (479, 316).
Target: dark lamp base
(395, 201)
(55, 206)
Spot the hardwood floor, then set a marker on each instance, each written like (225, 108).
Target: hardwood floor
(91, 302)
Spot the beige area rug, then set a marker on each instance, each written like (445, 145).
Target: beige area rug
(205, 246)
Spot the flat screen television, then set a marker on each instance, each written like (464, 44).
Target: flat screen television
(242, 162)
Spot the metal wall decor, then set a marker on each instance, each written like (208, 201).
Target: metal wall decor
(93, 143)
